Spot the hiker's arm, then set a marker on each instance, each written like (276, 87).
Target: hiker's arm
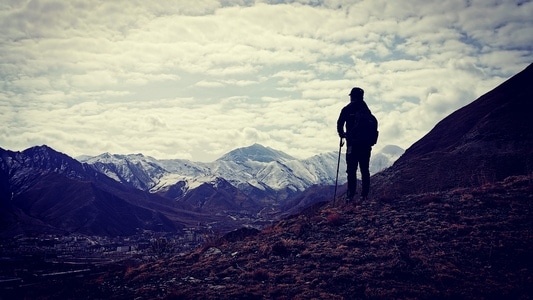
(340, 124)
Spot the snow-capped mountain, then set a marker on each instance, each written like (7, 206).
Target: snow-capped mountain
(254, 167)
(385, 158)
(142, 172)
(42, 190)
(45, 191)
(257, 153)
(255, 170)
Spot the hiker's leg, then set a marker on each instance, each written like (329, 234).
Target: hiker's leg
(351, 171)
(364, 164)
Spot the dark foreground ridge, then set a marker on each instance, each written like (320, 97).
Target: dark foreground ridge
(484, 141)
(466, 243)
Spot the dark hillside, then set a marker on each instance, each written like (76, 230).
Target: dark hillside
(485, 141)
(43, 191)
(471, 243)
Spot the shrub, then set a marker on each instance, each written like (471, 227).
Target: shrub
(260, 275)
(334, 218)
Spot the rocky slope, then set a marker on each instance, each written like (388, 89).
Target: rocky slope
(466, 243)
(485, 141)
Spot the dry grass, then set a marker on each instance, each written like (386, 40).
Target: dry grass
(470, 243)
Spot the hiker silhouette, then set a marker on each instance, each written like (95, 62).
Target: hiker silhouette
(358, 126)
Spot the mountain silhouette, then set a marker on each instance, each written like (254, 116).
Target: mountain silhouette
(485, 141)
(45, 191)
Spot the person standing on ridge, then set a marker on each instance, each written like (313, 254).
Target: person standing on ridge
(361, 134)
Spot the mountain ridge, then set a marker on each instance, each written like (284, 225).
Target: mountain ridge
(250, 165)
(255, 152)
(46, 191)
(484, 141)
(38, 179)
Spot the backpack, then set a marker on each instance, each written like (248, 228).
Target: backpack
(365, 129)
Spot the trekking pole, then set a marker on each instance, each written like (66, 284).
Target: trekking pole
(341, 143)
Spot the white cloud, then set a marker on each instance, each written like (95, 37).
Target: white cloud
(174, 80)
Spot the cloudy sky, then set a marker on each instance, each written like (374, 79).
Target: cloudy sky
(196, 79)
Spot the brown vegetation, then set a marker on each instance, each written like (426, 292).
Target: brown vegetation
(467, 243)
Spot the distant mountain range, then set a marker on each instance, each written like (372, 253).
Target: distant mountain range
(250, 168)
(43, 190)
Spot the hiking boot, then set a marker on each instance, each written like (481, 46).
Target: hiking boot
(348, 198)
(363, 199)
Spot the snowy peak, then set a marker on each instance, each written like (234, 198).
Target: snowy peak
(108, 157)
(253, 169)
(258, 184)
(46, 160)
(385, 158)
(137, 170)
(45, 157)
(256, 153)
(45, 191)
(392, 150)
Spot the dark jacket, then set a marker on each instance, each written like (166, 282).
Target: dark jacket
(347, 117)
